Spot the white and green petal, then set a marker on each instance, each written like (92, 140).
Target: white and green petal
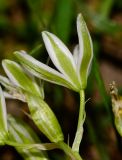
(43, 71)
(85, 49)
(3, 119)
(18, 77)
(61, 57)
(76, 55)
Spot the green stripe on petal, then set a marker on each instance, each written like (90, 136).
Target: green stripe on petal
(20, 132)
(17, 75)
(3, 118)
(43, 71)
(85, 49)
(76, 54)
(61, 57)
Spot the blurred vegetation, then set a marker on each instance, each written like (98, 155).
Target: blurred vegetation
(21, 23)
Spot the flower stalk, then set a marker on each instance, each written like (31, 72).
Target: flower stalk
(72, 154)
(79, 132)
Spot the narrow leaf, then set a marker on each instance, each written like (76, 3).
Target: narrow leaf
(63, 19)
(101, 87)
(41, 70)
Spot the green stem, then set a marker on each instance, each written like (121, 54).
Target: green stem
(72, 154)
(42, 146)
(79, 132)
(48, 146)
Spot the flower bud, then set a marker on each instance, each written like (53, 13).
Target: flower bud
(44, 118)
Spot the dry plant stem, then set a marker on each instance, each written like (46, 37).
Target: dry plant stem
(72, 154)
(79, 132)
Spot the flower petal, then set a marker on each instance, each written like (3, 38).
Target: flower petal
(17, 75)
(43, 71)
(61, 57)
(76, 54)
(85, 49)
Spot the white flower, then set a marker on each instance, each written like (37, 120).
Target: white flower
(73, 69)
